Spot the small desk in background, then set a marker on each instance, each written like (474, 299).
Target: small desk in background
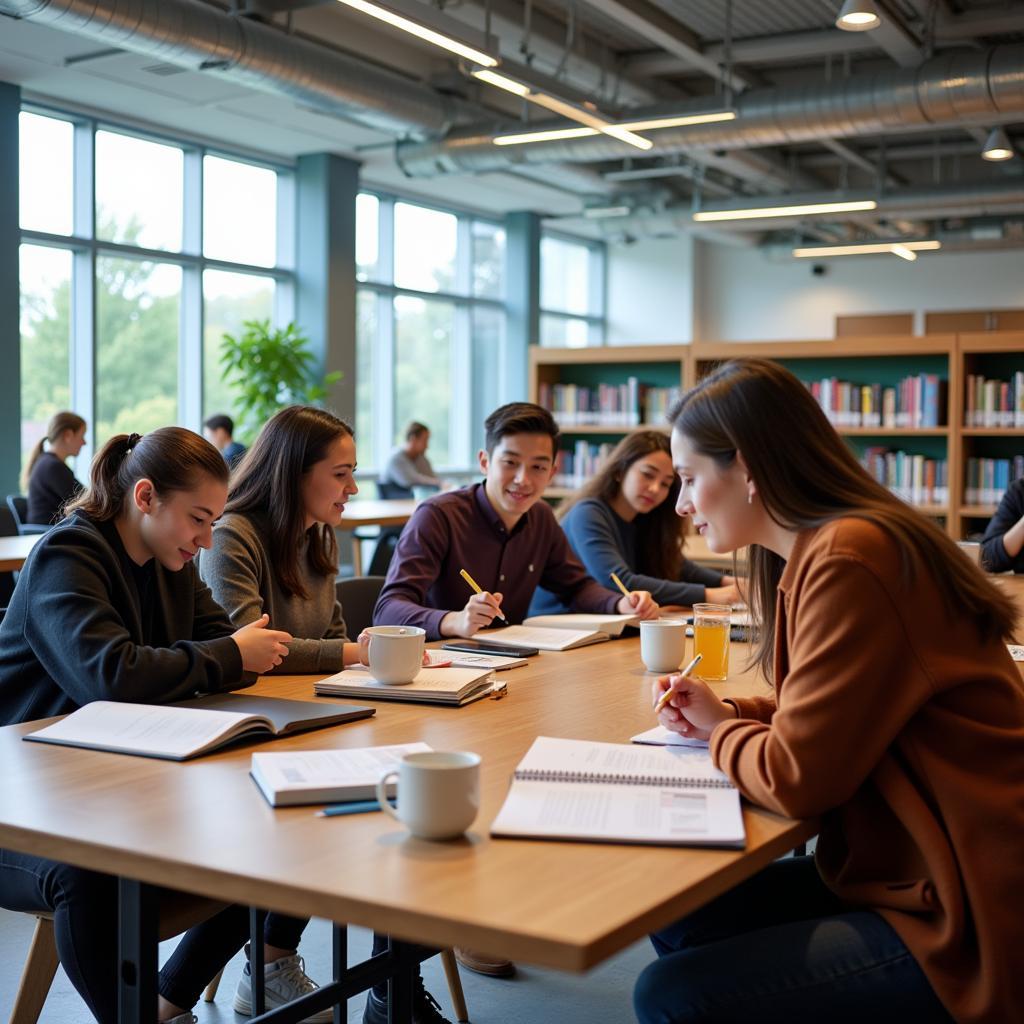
(374, 512)
(14, 551)
(696, 549)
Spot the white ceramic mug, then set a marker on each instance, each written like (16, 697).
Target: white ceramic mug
(438, 792)
(396, 653)
(662, 644)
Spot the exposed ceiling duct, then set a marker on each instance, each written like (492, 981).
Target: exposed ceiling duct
(963, 88)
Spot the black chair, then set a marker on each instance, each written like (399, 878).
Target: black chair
(18, 504)
(358, 596)
(8, 528)
(394, 492)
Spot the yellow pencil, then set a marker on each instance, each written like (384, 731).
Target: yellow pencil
(668, 693)
(620, 585)
(476, 586)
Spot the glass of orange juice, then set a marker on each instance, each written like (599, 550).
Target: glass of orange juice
(711, 624)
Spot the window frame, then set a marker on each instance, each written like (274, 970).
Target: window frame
(596, 317)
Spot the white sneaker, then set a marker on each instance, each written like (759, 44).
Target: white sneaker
(284, 981)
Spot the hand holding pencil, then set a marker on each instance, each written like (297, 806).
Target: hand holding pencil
(480, 611)
(636, 602)
(688, 706)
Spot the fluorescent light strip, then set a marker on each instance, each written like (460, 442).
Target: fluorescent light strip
(523, 138)
(551, 136)
(502, 82)
(904, 253)
(678, 122)
(423, 32)
(785, 211)
(864, 249)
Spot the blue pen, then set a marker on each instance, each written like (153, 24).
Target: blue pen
(356, 807)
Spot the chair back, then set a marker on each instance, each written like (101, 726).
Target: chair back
(358, 597)
(392, 492)
(18, 504)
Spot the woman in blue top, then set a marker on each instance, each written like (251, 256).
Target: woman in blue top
(622, 521)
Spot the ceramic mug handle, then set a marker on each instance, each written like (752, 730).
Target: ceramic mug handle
(382, 793)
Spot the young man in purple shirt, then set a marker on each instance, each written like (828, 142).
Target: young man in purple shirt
(502, 534)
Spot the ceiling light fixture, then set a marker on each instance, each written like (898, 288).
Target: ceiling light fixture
(997, 146)
(430, 25)
(550, 136)
(799, 210)
(522, 138)
(905, 250)
(858, 16)
(678, 122)
(602, 212)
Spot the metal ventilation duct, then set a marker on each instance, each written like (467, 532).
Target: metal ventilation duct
(964, 88)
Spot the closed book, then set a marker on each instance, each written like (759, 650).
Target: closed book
(454, 686)
(612, 624)
(542, 638)
(290, 778)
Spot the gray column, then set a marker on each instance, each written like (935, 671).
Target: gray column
(522, 293)
(10, 330)
(325, 263)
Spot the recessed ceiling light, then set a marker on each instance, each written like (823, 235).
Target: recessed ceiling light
(997, 146)
(858, 16)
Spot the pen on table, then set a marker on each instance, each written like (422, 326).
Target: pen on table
(620, 585)
(355, 807)
(476, 586)
(668, 693)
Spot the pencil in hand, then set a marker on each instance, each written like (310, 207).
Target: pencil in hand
(476, 586)
(664, 699)
(620, 585)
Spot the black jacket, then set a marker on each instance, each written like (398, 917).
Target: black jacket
(1011, 508)
(75, 631)
(52, 484)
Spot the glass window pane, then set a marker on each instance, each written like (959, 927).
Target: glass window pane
(563, 332)
(366, 348)
(367, 238)
(138, 191)
(424, 330)
(239, 212)
(487, 336)
(46, 164)
(565, 276)
(488, 260)
(137, 315)
(229, 300)
(45, 339)
(425, 249)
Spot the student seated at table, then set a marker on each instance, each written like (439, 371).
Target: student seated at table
(502, 534)
(408, 465)
(109, 606)
(1002, 547)
(219, 430)
(49, 482)
(623, 521)
(274, 553)
(896, 716)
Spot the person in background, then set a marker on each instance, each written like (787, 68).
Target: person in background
(48, 482)
(623, 521)
(896, 718)
(408, 466)
(109, 606)
(219, 431)
(1002, 547)
(274, 554)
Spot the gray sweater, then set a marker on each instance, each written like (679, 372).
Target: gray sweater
(239, 572)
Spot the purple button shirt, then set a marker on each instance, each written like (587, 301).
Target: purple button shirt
(461, 530)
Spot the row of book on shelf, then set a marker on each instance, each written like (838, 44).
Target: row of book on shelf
(575, 466)
(988, 479)
(914, 478)
(994, 403)
(607, 405)
(918, 401)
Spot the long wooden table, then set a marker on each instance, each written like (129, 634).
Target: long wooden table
(203, 827)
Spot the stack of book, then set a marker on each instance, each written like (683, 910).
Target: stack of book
(607, 405)
(988, 479)
(574, 467)
(914, 478)
(915, 402)
(994, 403)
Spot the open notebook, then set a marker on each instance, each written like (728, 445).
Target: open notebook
(455, 686)
(619, 793)
(543, 638)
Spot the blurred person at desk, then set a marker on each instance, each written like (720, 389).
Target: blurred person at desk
(623, 521)
(896, 717)
(408, 466)
(109, 606)
(49, 482)
(1002, 547)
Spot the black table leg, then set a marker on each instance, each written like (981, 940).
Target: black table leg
(400, 984)
(138, 936)
(257, 992)
(339, 958)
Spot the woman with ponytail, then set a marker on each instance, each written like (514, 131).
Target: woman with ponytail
(48, 481)
(109, 606)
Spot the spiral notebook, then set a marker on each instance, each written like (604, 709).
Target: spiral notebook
(620, 793)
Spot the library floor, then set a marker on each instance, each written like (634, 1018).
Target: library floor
(534, 996)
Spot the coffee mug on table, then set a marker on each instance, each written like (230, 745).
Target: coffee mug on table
(438, 792)
(662, 644)
(396, 653)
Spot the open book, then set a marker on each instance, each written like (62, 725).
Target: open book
(618, 793)
(543, 638)
(177, 732)
(456, 686)
(287, 778)
(613, 625)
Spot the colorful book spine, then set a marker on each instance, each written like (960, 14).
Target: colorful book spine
(575, 466)
(916, 479)
(986, 480)
(616, 406)
(914, 403)
(991, 403)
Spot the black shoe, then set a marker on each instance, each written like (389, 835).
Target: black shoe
(425, 1008)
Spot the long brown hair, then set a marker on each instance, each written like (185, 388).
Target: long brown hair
(806, 476)
(660, 531)
(59, 422)
(268, 481)
(172, 458)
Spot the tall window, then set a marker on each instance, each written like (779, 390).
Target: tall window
(571, 293)
(138, 254)
(430, 326)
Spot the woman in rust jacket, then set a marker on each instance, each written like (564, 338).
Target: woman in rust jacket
(895, 715)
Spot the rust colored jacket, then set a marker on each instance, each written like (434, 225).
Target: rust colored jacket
(904, 730)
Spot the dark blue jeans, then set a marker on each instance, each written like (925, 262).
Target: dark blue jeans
(782, 948)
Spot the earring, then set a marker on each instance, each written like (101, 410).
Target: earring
(750, 499)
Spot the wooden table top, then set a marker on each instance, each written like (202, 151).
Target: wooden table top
(204, 827)
(377, 512)
(14, 550)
